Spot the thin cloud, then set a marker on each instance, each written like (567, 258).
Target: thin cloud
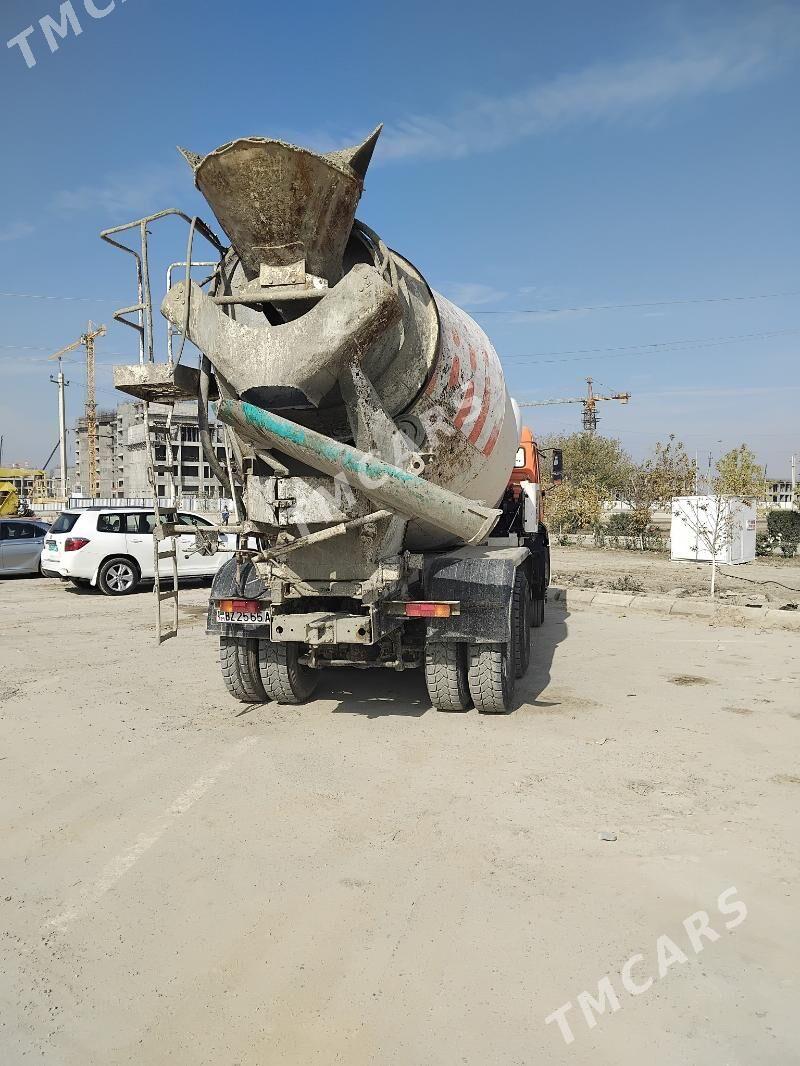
(638, 89)
(122, 195)
(473, 293)
(16, 231)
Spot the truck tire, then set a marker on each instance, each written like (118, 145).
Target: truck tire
(238, 659)
(541, 580)
(285, 680)
(118, 576)
(491, 677)
(446, 677)
(521, 623)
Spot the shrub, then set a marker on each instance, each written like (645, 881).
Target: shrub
(784, 524)
(625, 529)
(764, 544)
(621, 524)
(626, 583)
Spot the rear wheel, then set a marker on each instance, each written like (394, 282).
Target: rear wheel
(521, 624)
(446, 676)
(284, 678)
(539, 590)
(118, 576)
(491, 677)
(238, 659)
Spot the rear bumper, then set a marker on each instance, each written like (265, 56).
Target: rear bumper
(55, 568)
(68, 566)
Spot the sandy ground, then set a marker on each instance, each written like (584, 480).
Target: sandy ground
(775, 581)
(364, 880)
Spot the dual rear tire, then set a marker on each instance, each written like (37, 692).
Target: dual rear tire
(459, 675)
(255, 671)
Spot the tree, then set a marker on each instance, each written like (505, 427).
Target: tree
(593, 472)
(591, 460)
(571, 507)
(666, 473)
(739, 474)
(713, 519)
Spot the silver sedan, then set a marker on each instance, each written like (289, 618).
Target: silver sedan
(21, 543)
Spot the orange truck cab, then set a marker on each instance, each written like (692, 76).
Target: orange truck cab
(526, 465)
(521, 521)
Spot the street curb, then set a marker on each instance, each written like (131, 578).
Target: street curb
(675, 606)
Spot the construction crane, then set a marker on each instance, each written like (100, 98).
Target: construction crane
(86, 340)
(589, 401)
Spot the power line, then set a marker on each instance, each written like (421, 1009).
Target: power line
(654, 348)
(619, 307)
(481, 311)
(544, 356)
(74, 299)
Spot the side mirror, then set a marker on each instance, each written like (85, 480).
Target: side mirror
(558, 466)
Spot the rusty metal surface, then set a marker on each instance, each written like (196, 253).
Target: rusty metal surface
(322, 627)
(269, 195)
(386, 485)
(158, 382)
(306, 355)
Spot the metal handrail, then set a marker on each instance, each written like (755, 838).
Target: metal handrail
(144, 308)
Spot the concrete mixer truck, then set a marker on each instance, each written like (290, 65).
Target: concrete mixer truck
(387, 500)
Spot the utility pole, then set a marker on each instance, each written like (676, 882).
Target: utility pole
(87, 339)
(62, 426)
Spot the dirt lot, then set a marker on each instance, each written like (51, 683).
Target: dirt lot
(775, 580)
(364, 880)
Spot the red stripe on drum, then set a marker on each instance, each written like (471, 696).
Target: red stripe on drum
(466, 406)
(455, 372)
(488, 448)
(481, 420)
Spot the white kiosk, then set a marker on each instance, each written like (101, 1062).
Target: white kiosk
(707, 526)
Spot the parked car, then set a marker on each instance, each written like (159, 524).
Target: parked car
(21, 543)
(112, 548)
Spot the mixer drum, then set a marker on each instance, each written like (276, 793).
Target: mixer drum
(467, 419)
(433, 369)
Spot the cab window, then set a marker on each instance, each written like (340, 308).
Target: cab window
(20, 531)
(64, 523)
(118, 523)
(191, 520)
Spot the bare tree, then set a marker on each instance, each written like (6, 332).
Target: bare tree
(714, 519)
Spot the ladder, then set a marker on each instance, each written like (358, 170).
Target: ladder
(164, 531)
(161, 387)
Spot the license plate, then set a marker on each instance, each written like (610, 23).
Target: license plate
(248, 618)
(51, 544)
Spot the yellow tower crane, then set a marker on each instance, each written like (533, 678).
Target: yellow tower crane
(589, 401)
(86, 340)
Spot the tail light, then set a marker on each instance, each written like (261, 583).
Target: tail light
(426, 609)
(73, 544)
(239, 605)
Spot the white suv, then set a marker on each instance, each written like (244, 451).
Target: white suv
(112, 548)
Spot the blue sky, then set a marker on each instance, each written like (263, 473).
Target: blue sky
(536, 157)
